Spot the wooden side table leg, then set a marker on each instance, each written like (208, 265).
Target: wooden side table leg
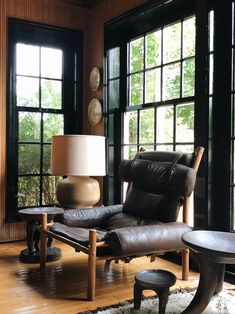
(43, 238)
(137, 296)
(210, 281)
(163, 295)
(220, 280)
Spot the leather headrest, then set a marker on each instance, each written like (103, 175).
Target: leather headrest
(158, 177)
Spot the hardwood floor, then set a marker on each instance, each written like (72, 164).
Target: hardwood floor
(61, 288)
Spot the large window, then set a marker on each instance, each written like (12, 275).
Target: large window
(42, 80)
(150, 86)
(39, 117)
(160, 85)
(170, 86)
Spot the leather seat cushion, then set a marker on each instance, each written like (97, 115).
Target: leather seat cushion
(124, 220)
(79, 235)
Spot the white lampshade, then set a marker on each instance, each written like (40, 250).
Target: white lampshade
(78, 155)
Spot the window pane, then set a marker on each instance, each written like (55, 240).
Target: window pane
(188, 85)
(211, 31)
(111, 191)
(49, 184)
(165, 123)
(153, 49)
(146, 148)
(46, 158)
(114, 62)
(137, 55)
(111, 161)
(51, 63)
(29, 158)
(189, 37)
(53, 124)
(233, 71)
(185, 123)
(211, 72)
(28, 191)
(29, 126)
(27, 59)
(233, 22)
(167, 148)
(27, 92)
(147, 126)
(130, 127)
(152, 85)
(171, 43)
(129, 152)
(184, 148)
(136, 89)
(171, 81)
(51, 94)
(111, 128)
(113, 100)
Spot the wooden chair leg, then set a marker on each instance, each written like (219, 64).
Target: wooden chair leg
(107, 265)
(185, 253)
(91, 265)
(43, 241)
(185, 264)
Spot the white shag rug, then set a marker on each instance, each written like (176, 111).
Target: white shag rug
(223, 303)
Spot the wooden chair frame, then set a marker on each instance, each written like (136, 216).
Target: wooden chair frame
(91, 250)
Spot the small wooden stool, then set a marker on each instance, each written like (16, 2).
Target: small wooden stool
(157, 280)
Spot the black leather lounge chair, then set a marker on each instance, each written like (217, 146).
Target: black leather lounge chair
(159, 183)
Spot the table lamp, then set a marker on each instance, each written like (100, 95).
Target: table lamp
(78, 157)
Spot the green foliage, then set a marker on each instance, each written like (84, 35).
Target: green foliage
(136, 92)
(153, 49)
(136, 55)
(147, 126)
(51, 94)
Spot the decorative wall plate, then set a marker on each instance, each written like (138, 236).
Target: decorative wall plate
(94, 111)
(94, 79)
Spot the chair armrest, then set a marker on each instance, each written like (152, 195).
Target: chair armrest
(149, 239)
(87, 218)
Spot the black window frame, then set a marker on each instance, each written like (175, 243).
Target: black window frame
(138, 22)
(71, 42)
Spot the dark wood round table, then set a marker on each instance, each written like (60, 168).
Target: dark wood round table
(214, 249)
(32, 216)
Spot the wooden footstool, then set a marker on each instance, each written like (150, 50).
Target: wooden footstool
(157, 280)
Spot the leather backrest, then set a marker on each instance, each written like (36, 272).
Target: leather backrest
(158, 187)
(185, 159)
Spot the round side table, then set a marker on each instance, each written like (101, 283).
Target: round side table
(214, 249)
(158, 280)
(32, 216)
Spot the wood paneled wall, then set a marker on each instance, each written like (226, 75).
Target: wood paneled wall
(64, 14)
(42, 11)
(100, 14)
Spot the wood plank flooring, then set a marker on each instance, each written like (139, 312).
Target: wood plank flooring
(61, 288)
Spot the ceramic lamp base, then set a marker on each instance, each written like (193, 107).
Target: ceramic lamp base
(78, 192)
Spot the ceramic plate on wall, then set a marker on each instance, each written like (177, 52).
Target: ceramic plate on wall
(94, 111)
(94, 79)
